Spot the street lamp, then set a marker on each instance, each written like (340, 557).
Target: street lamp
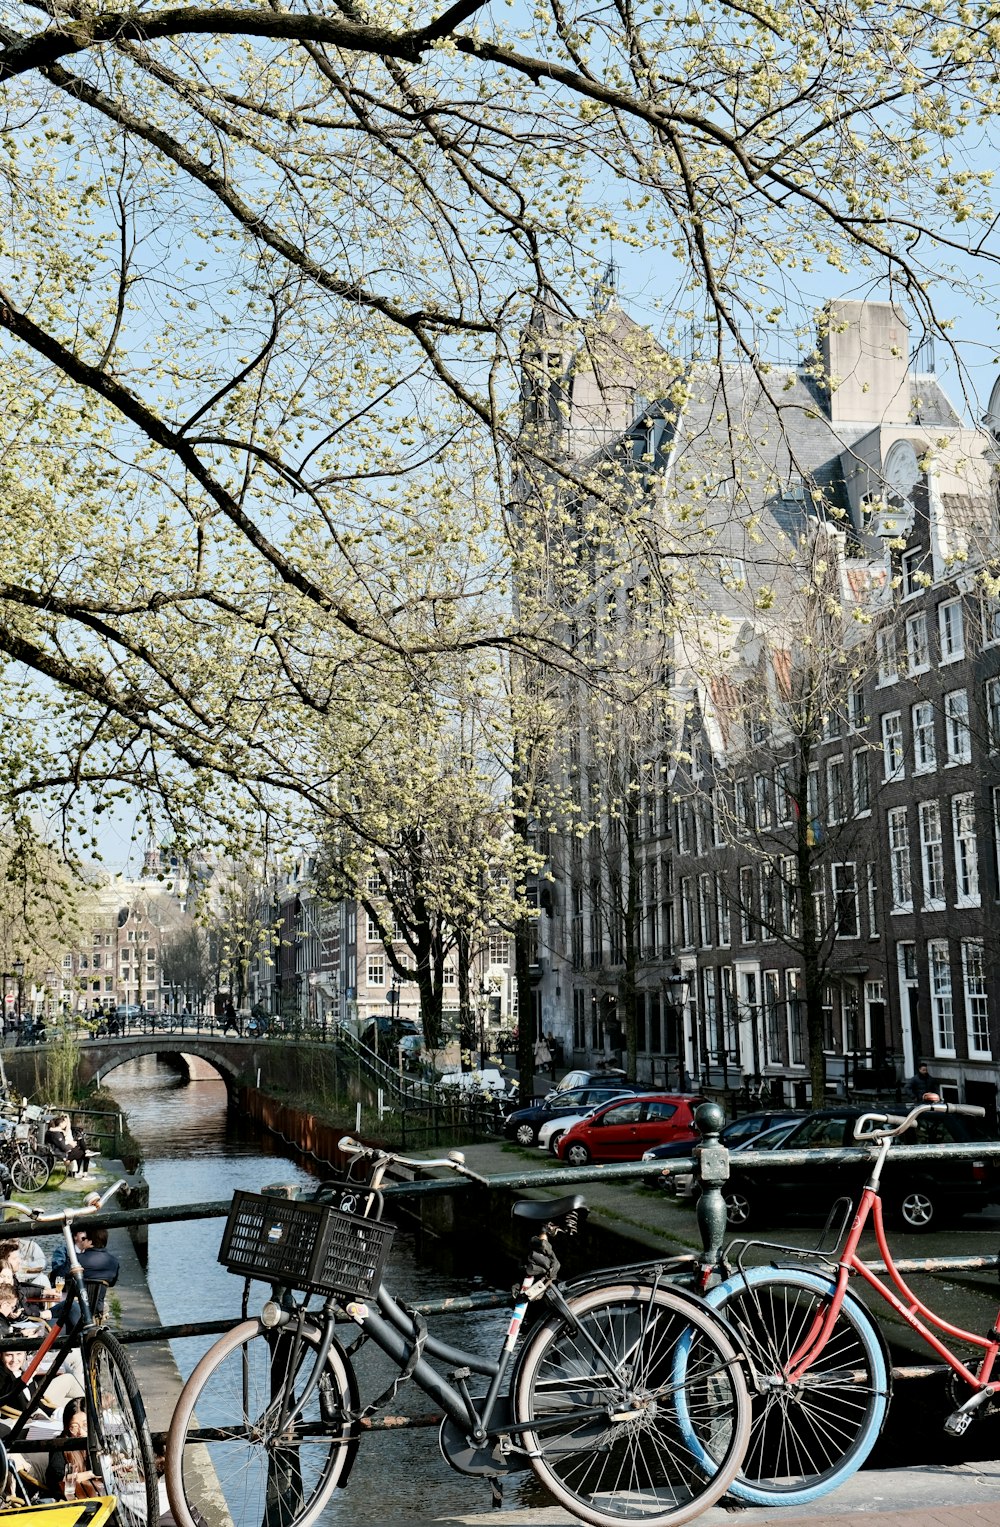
(19, 975)
(676, 987)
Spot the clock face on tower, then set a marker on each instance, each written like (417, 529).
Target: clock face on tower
(902, 470)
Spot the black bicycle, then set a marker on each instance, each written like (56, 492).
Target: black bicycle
(118, 1438)
(585, 1393)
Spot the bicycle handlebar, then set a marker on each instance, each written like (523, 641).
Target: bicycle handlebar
(91, 1205)
(971, 1110)
(455, 1160)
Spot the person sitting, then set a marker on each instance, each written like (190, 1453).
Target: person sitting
(13, 1394)
(922, 1087)
(100, 1268)
(75, 1153)
(68, 1475)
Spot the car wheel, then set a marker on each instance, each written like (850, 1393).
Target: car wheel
(554, 1139)
(739, 1208)
(577, 1154)
(918, 1211)
(524, 1134)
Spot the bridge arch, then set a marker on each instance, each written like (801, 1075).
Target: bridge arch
(231, 1060)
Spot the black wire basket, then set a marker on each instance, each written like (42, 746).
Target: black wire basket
(307, 1246)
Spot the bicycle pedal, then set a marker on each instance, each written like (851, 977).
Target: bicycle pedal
(958, 1422)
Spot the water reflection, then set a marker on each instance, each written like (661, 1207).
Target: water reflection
(193, 1152)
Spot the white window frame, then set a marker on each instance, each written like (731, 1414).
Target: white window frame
(942, 998)
(893, 764)
(977, 1001)
(992, 703)
(911, 569)
(375, 970)
(886, 656)
(900, 868)
(844, 880)
(918, 647)
(861, 798)
(836, 790)
(958, 735)
(924, 741)
(963, 825)
(951, 630)
(931, 854)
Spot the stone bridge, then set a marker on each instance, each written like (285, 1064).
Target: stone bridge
(239, 1062)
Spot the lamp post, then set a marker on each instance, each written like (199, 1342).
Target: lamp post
(18, 976)
(675, 989)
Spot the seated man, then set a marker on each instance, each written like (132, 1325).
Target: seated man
(100, 1267)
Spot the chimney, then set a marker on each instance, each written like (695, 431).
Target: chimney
(865, 352)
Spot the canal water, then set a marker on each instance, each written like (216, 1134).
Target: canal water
(194, 1152)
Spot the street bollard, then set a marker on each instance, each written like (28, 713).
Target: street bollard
(711, 1170)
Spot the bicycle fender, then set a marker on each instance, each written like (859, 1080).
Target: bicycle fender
(355, 1396)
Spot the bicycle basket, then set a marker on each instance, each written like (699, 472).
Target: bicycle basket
(305, 1246)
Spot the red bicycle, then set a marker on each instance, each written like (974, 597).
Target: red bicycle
(821, 1371)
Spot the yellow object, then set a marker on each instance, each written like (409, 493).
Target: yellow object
(71, 1513)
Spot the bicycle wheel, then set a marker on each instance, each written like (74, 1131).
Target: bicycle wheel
(237, 1462)
(121, 1450)
(811, 1433)
(29, 1171)
(601, 1401)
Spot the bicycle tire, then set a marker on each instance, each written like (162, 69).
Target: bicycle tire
(29, 1172)
(121, 1449)
(240, 1473)
(806, 1438)
(604, 1437)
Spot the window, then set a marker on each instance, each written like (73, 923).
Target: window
(768, 902)
(812, 794)
(942, 1006)
(861, 782)
(871, 887)
(856, 716)
(892, 745)
(836, 790)
(722, 910)
(963, 818)
(762, 801)
(977, 1004)
(499, 944)
(885, 648)
(449, 976)
(741, 806)
(784, 790)
(705, 908)
(913, 578)
(376, 970)
(991, 619)
(746, 905)
(789, 898)
(958, 740)
(97, 961)
(845, 900)
(951, 630)
(683, 827)
(373, 934)
(932, 854)
(924, 753)
(918, 655)
(993, 714)
(899, 860)
(796, 1028)
(687, 914)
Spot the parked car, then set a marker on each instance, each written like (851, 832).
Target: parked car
(734, 1134)
(473, 1084)
(917, 1194)
(606, 1076)
(623, 1130)
(523, 1125)
(551, 1133)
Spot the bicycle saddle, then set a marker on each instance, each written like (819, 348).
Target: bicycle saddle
(542, 1211)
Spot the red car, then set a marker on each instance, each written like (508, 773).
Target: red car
(622, 1130)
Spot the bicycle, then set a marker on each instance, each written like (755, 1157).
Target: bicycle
(589, 1403)
(821, 1367)
(118, 1438)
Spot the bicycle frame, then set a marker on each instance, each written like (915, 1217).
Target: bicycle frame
(870, 1206)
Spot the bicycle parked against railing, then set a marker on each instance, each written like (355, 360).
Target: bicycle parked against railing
(118, 1439)
(821, 1370)
(268, 1424)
